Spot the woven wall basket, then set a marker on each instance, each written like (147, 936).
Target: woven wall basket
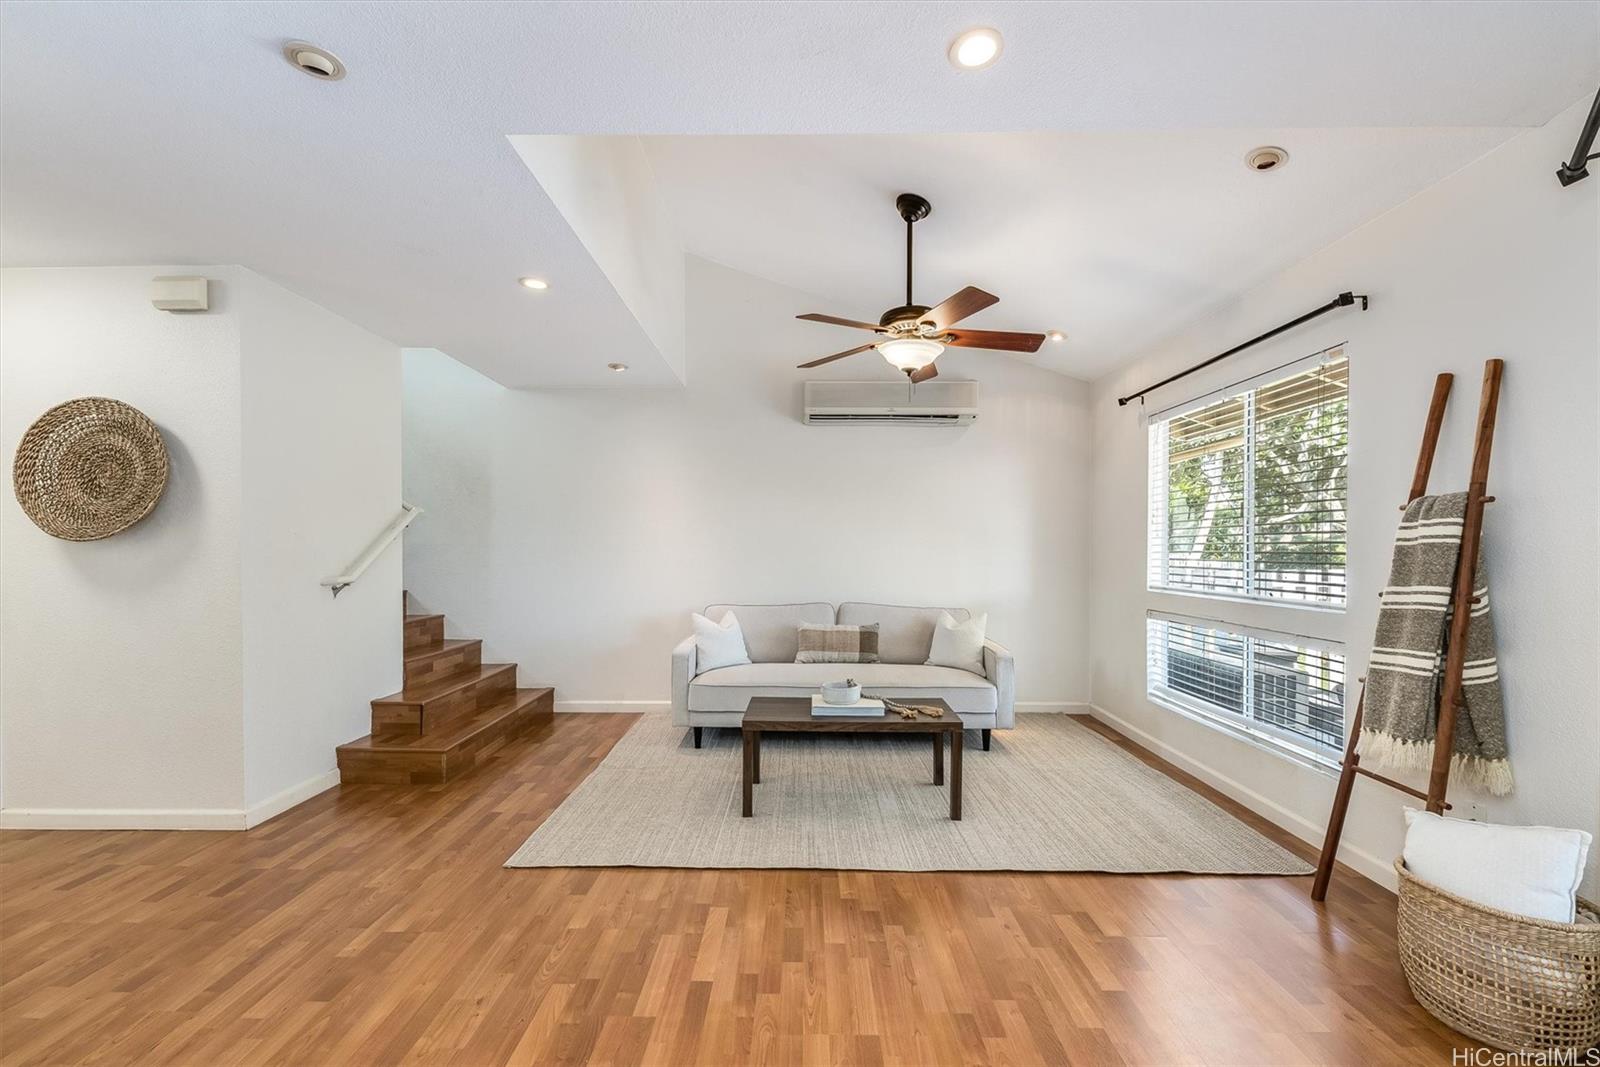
(89, 468)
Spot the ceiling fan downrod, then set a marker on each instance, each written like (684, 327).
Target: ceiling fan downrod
(913, 209)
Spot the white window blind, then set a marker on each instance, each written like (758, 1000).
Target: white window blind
(1247, 489)
(1274, 685)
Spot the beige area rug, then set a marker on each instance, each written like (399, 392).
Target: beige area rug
(1051, 795)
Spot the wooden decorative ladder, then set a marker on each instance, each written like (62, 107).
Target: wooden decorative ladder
(454, 711)
(1461, 600)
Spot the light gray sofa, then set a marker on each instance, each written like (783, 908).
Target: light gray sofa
(905, 634)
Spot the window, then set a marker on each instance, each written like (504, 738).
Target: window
(1247, 490)
(1270, 685)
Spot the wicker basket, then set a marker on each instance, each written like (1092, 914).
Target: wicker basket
(1509, 981)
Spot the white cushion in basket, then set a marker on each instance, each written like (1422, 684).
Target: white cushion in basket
(1526, 870)
(718, 644)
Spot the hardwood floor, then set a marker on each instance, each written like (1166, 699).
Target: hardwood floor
(374, 924)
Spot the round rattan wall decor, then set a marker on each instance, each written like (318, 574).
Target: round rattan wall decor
(89, 468)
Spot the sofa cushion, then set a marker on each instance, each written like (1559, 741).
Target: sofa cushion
(772, 631)
(730, 688)
(905, 635)
(836, 644)
(718, 644)
(958, 644)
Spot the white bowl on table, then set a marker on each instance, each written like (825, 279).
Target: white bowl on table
(840, 693)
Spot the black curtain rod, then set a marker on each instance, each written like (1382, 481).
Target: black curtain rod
(1577, 168)
(1343, 300)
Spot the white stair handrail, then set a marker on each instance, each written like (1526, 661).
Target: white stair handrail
(408, 512)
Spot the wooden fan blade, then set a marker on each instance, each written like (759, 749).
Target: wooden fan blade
(999, 340)
(968, 301)
(930, 371)
(837, 321)
(836, 355)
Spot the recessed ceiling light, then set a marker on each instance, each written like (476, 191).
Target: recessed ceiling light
(616, 368)
(533, 283)
(1267, 157)
(975, 49)
(317, 62)
(1056, 335)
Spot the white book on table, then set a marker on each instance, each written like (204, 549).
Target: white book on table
(866, 706)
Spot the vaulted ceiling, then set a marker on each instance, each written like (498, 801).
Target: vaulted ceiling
(1098, 187)
(1114, 239)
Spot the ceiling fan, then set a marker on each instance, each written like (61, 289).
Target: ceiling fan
(913, 336)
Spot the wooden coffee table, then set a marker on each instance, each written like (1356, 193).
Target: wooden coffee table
(792, 715)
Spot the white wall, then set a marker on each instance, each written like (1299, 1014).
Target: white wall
(575, 530)
(189, 671)
(321, 425)
(121, 659)
(1498, 260)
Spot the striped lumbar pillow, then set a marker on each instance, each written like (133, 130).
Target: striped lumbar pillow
(838, 644)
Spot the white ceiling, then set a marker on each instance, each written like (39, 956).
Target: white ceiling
(174, 132)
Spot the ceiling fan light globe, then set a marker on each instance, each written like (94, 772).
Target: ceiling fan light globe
(910, 353)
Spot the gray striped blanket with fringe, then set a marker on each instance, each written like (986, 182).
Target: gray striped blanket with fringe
(1406, 670)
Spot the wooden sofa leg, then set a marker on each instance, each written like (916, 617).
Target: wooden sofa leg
(986, 740)
(696, 736)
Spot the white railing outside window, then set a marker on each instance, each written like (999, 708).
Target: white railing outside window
(1281, 688)
(1248, 489)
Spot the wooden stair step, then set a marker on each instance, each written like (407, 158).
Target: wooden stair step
(437, 688)
(419, 708)
(450, 751)
(466, 729)
(422, 631)
(433, 662)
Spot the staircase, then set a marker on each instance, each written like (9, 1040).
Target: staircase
(454, 711)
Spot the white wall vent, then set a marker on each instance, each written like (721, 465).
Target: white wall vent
(935, 403)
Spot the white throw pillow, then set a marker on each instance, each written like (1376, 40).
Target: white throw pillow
(718, 644)
(958, 644)
(1526, 870)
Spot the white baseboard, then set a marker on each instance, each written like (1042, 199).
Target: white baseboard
(166, 818)
(1051, 707)
(122, 819)
(295, 794)
(581, 706)
(1368, 865)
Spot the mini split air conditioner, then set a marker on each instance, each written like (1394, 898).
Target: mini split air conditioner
(938, 403)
